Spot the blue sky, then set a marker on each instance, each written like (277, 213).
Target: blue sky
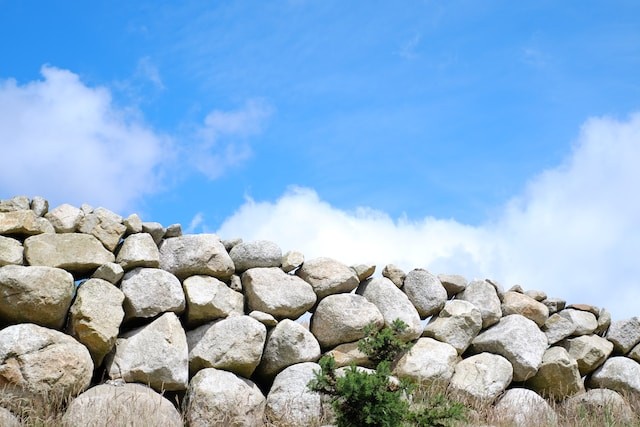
(487, 138)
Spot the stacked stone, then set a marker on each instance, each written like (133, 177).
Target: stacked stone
(87, 294)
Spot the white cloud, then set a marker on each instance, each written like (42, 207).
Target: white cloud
(147, 70)
(68, 142)
(196, 221)
(573, 233)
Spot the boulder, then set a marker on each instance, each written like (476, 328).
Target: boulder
(95, 317)
(155, 354)
(65, 218)
(11, 251)
(105, 225)
(221, 398)
(619, 373)
(39, 206)
(483, 295)
(481, 377)
(41, 365)
(557, 328)
(393, 304)
(111, 272)
(290, 403)
(174, 230)
(151, 291)
(585, 307)
(287, 344)
(7, 419)
(537, 295)
(234, 344)
(524, 407)
(458, 323)
(363, 271)
(74, 252)
(341, 318)
(427, 362)
(265, 318)
(209, 299)
(519, 340)
(120, 404)
(273, 291)
(347, 354)
(40, 295)
(517, 303)
(635, 353)
(22, 222)
(624, 334)
(155, 229)
(590, 351)
(17, 203)
(259, 253)
(599, 403)
(452, 283)
(138, 250)
(292, 260)
(193, 254)
(554, 304)
(395, 274)
(133, 224)
(425, 292)
(558, 376)
(604, 321)
(585, 322)
(328, 276)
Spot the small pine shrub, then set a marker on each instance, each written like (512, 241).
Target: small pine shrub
(384, 345)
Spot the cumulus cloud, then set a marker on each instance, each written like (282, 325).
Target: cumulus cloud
(67, 141)
(574, 232)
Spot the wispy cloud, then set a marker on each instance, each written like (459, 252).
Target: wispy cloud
(148, 71)
(574, 232)
(196, 222)
(409, 48)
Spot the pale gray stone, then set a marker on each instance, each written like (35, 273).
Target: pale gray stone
(519, 340)
(348, 354)
(234, 344)
(11, 251)
(259, 253)
(586, 323)
(105, 225)
(290, 403)
(604, 321)
(230, 243)
(133, 224)
(65, 218)
(536, 295)
(586, 307)
(41, 365)
(481, 377)
(557, 328)
(155, 354)
(151, 291)
(292, 260)
(107, 405)
(24, 222)
(395, 274)
(7, 419)
(364, 271)
(220, 398)
(483, 295)
(453, 283)
(425, 292)
(554, 305)
(17, 203)
(40, 295)
(174, 230)
(208, 299)
(193, 254)
(341, 318)
(235, 283)
(273, 291)
(518, 303)
(635, 353)
(95, 317)
(45, 226)
(138, 250)
(558, 376)
(86, 209)
(619, 373)
(457, 324)
(156, 230)
(393, 304)
(328, 276)
(111, 272)
(39, 206)
(427, 362)
(598, 402)
(265, 318)
(497, 286)
(525, 408)
(590, 351)
(516, 288)
(287, 344)
(624, 334)
(75, 252)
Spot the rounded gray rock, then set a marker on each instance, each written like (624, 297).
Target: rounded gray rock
(328, 276)
(458, 323)
(427, 362)
(64, 218)
(138, 250)
(483, 295)
(517, 303)
(481, 377)
(151, 291)
(619, 373)
(193, 254)
(624, 334)
(585, 322)
(11, 251)
(524, 407)
(209, 299)
(558, 376)
(590, 351)
(598, 401)
(259, 253)
(425, 292)
(74, 252)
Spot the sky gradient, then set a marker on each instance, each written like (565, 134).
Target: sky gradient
(486, 138)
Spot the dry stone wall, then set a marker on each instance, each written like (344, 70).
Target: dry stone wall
(102, 310)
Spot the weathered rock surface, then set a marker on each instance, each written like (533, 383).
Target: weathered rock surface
(259, 253)
(174, 230)
(287, 344)
(453, 283)
(624, 334)
(428, 362)
(519, 340)
(273, 291)
(393, 304)
(458, 323)
(105, 225)
(156, 230)
(111, 272)
(341, 318)
(234, 344)
(557, 328)
(208, 299)
(554, 304)
(22, 222)
(155, 354)
(95, 317)
(619, 373)
(108, 405)
(425, 292)
(290, 403)
(363, 271)
(346, 354)
(7, 419)
(193, 254)
(525, 408)
(17, 203)
(598, 402)
(395, 274)
(133, 224)
(40, 295)
(585, 322)
(481, 377)
(328, 276)
(604, 321)
(73, 252)
(151, 291)
(635, 353)
(558, 376)
(517, 303)
(220, 398)
(265, 318)
(292, 260)
(536, 295)
(40, 364)
(138, 250)
(65, 218)
(590, 351)
(11, 251)
(483, 295)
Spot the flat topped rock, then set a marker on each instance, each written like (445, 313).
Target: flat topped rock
(192, 254)
(75, 252)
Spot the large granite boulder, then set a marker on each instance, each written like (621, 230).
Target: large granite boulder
(481, 377)
(458, 323)
(11, 251)
(590, 351)
(209, 299)
(425, 292)
(584, 321)
(259, 253)
(618, 373)
(558, 376)
(427, 362)
(22, 223)
(105, 225)
(65, 218)
(138, 250)
(193, 254)
(75, 252)
(453, 283)
(524, 408)
(484, 296)
(151, 291)
(557, 328)
(624, 334)
(517, 303)
(328, 276)
(599, 403)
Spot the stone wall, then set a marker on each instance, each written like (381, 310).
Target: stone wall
(111, 309)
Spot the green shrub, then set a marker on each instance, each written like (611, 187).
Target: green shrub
(384, 344)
